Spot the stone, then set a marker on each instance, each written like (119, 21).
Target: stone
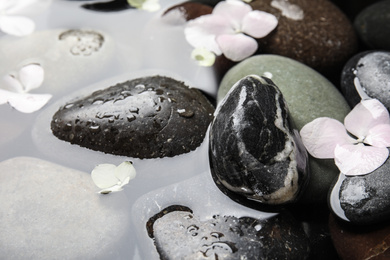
(362, 67)
(362, 200)
(308, 95)
(360, 242)
(255, 151)
(48, 211)
(318, 35)
(189, 10)
(110, 6)
(148, 117)
(279, 235)
(372, 25)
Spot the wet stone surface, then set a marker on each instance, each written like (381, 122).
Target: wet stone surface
(179, 234)
(147, 117)
(85, 42)
(255, 153)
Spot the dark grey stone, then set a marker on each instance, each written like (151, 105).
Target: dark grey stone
(255, 152)
(143, 118)
(372, 69)
(179, 234)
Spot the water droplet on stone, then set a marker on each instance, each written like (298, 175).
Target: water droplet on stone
(67, 127)
(185, 113)
(67, 106)
(97, 102)
(94, 128)
(131, 118)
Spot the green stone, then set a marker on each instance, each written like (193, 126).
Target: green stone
(309, 95)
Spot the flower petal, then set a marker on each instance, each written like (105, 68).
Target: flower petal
(28, 103)
(359, 159)
(203, 57)
(125, 172)
(232, 10)
(103, 176)
(202, 31)
(366, 115)
(31, 76)
(322, 135)
(259, 24)
(379, 136)
(237, 47)
(17, 25)
(25, 7)
(12, 84)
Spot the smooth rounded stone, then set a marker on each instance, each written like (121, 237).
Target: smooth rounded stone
(318, 35)
(362, 199)
(48, 211)
(197, 201)
(372, 70)
(353, 7)
(357, 242)
(69, 57)
(255, 151)
(187, 11)
(373, 24)
(148, 117)
(179, 234)
(308, 95)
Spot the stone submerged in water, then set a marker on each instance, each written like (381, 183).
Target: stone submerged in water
(255, 152)
(147, 117)
(309, 95)
(373, 25)
(179, 234)
(363, 200)
(372, 70)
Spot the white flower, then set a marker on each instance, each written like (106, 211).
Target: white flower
(12, 15)
(111, 178)
(359, 154)
(147, 5)
(229, 29)
(14, 89)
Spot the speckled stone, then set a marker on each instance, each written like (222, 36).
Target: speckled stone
(372, 70)
(318, 35)
(308, 95)
(179, 234)
(373, 25)
(147, 117)
(360, 242)
(255, 150)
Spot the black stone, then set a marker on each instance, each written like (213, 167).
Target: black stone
(179, 234)
(144, 118)
(255, 152)
(111, 6)
(372, 69)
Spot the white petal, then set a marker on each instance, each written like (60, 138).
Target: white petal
(366, 115)
(31, 76)
(237, 47)
(232, 10)
(103, 176)
(6, 95)
(17, 25)
(26, 7)
(322, 135)
(28, 103)
(11, 83)
(379, 136)
(359, 159)
(151, 5)
(125, 172)
(259, 24)
(202, 31)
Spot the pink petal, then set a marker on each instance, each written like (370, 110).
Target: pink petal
(322, 135)
(359, 159)
(366, 115)
(16, 25)
(379, 136)
(237, 47)
(31, 76)
(232, 10)
(258, 23)
(201, 32)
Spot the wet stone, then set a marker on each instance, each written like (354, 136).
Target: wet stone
(179, 234)
(363, 199)
(255, 151)
(147, 117)
(372, 71)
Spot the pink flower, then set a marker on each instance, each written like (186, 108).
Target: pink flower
(358, 148)
(229, 29)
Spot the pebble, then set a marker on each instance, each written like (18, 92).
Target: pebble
(51, 212)
(371, 70)
(148, 117)
(255, 150)
(308, 95)
(372, 25)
